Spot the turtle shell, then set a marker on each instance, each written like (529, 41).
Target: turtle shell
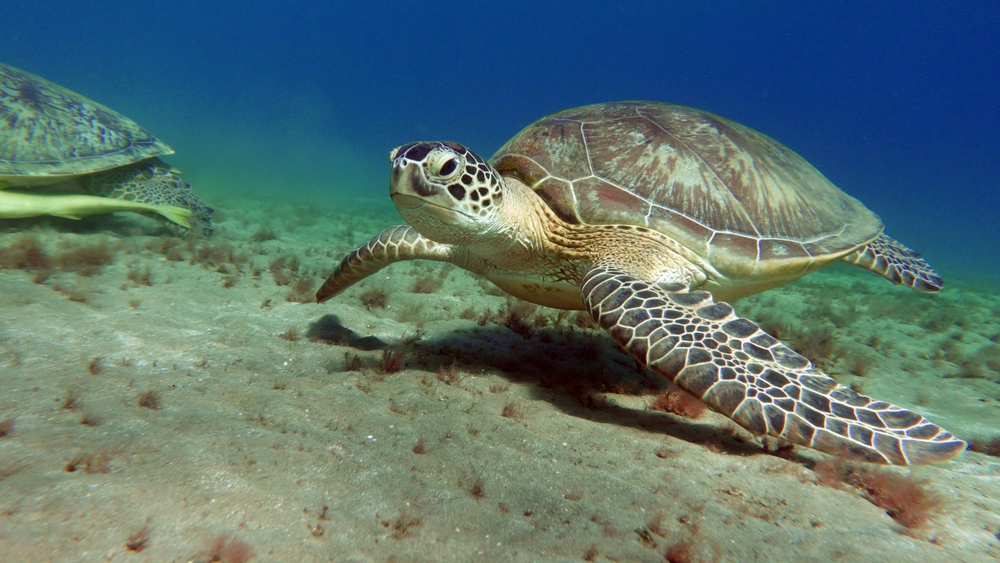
(736, 197)
(47, 130)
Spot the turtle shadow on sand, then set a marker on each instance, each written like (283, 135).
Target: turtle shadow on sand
(330, 330)
(577, 371)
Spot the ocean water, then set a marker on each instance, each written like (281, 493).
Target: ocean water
(895, 103)
(169, 399)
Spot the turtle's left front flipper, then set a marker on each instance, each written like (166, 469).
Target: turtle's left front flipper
(747, 375)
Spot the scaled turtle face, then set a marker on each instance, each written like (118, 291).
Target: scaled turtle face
(444, 190)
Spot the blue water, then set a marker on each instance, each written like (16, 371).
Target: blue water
(896, 102)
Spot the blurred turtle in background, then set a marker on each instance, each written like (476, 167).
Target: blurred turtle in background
(65, 155)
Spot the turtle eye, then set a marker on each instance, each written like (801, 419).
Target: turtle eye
(448, 167)
(444, 165)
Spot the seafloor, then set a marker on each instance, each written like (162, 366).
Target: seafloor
(166, 399)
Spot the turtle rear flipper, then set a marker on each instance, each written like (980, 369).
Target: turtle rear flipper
(744, 373)
(895, 262)
(151, 182)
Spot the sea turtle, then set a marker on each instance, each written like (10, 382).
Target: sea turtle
(65, 155)
(649, 215)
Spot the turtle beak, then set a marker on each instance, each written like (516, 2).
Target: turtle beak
(404, 201)
(418, 201)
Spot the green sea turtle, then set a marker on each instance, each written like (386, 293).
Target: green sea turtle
(648, 216)
(65, 155)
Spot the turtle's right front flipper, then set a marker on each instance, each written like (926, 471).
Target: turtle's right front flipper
(747, 375)
(394, 244)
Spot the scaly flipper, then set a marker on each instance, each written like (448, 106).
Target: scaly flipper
(153, 183)
(889, 258)
(747, 375)
(391, 245)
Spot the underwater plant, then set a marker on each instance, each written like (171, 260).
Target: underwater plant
(26, 253)
(906, 499)
(373, 299)
(680, 403)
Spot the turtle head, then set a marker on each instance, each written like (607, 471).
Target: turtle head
(445, 191)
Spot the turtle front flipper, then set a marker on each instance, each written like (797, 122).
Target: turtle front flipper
(895, 262)
(394, 244)
(153, 183)
(744, 373)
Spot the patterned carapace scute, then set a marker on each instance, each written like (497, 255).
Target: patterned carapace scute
(47, 130)
(733, 195)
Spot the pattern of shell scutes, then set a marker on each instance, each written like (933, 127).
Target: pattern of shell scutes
(47, 130)
(731, 194)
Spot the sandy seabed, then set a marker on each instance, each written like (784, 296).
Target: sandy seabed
(165, 399)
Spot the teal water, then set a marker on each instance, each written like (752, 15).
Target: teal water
(897, 105)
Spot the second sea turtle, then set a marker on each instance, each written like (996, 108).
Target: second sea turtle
(65, 155)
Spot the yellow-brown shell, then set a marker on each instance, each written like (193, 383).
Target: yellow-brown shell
(747, 204)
